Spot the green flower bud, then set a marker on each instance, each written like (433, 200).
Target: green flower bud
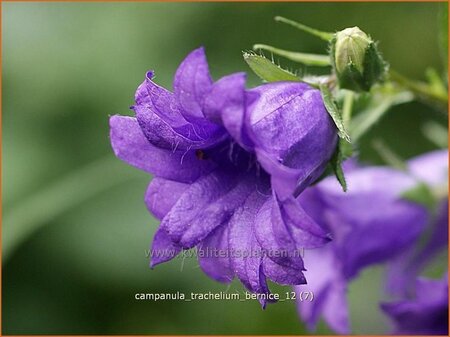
(356, 60)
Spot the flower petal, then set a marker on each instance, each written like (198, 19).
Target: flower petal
(163, 249)
(206, 204)
(225, 104)
(362, 234)
(409, 265)
(160, 118)
(218, 211)
(214, 255)
(329, 289)
(293, 134)
(191, 83)
(247, 253)
(280, 248)
(162, 194)
(304, 230)
(427, 314)
(130, 145)
(281, 274)
(431, 168)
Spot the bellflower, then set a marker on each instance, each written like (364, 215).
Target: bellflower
(426, 313)
(226, 163)
(370, 224)
(430, 169)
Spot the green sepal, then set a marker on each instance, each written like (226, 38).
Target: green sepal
(336, 164)
(334, 112)
(375, 68)
(351, 79)
(267, 70)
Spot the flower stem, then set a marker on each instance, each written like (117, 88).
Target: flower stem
(347, 107)
(423, 91)
(388, 156)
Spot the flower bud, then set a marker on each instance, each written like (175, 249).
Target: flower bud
(356, 60)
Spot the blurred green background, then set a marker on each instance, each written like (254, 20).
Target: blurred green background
(75, 227)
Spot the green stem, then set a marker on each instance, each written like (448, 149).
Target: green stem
(40, 208)
(327, 36)
(422, 90)
(347, 107)
(388, 156)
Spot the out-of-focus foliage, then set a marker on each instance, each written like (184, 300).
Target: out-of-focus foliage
(66, 68)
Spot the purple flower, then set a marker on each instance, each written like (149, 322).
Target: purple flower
(424, 314)
(371, 223)
(293, 148)
(226, 163)
(430, 169)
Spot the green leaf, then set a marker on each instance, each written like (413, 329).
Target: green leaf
(267, 70)
(334, 112)
(327, 36)
(336, 164)
(304, 58)
(421, 194)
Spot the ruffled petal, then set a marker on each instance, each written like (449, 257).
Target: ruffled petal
(247, 253)
(163, 249)
(214, 255)
(191, 83)
(225, 104)
(285, 181)
(218, 211)
(162, 194)
(277, 242)
(281, 253)
(130, 145)
(206, 204)
(281, 274)
(160, 118)
(304, 230)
